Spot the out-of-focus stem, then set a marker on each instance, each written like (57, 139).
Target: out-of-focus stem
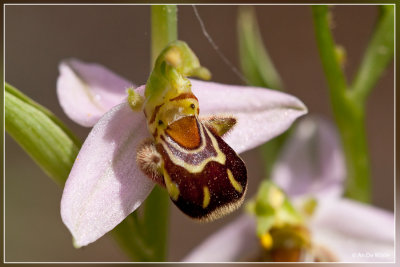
(378, 55)
(349, 114)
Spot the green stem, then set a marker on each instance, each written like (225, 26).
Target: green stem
(163, 28)
(156, 219)
(378, 55)
(143, 234)
(152, 224)
(349, 114)
(334, 75)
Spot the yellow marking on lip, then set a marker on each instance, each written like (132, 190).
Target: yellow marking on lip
(172, 187)
(234, 183)
(207, 197)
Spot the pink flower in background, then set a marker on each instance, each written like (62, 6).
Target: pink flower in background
(312, 165)
(105, 184)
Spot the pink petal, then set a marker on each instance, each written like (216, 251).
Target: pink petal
(233, 242)
(105, 184)
(87, 91)
(350, 231)
(355, 232)
(261, 113)
(311, 162)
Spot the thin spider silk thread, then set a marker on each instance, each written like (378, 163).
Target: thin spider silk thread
(216, 48)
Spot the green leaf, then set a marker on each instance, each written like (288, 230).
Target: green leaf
(40, 134)
(255, 61)
(15, 92)
(259, 70)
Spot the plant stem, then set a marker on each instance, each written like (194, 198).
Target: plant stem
(156, 211)
(349, 114)
(143, 234)
(377, 56)
(163, 28)
(334, 75)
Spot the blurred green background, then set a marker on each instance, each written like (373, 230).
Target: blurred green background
(37, 38)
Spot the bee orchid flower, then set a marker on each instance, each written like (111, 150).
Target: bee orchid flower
(106, 184)
(311, 167)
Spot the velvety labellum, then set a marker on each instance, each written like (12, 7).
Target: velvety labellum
(211, 178)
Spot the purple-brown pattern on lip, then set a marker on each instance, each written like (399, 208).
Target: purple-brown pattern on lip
(223, 196)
